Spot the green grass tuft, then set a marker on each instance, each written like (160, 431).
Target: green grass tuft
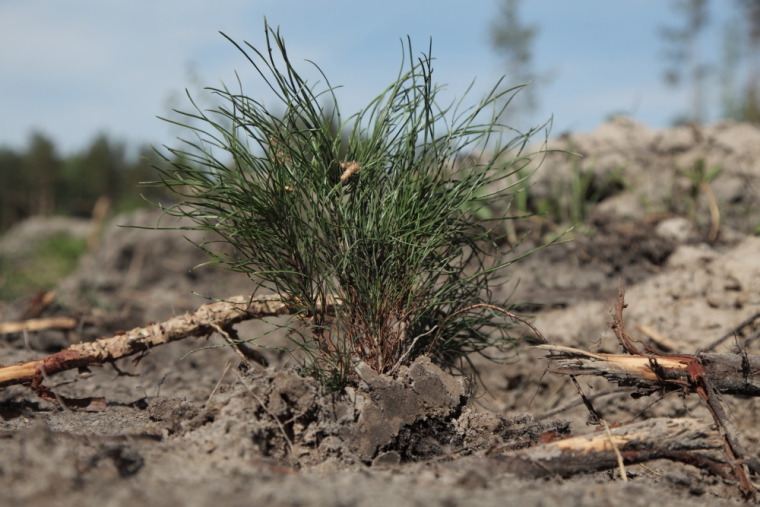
(41, 268)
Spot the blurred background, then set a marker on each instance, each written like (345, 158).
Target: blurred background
(84, 81)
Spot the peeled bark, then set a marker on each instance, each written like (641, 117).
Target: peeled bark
(727, 373)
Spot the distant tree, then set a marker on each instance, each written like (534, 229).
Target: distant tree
(685, 60)
(514, 40)
(95, 172)
(41, 168)
(36, 181)
(140, 172)
(105, 162)
(732, 50)
(13, 194)
(750, 108)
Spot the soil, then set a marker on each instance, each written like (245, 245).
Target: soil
(195, 427)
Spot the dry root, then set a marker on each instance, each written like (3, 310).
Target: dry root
(207, 319)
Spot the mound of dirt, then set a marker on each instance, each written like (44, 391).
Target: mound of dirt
(273, 421)
(655, 171)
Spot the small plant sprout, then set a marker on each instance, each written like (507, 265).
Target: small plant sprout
(701, 178)
(366, 226)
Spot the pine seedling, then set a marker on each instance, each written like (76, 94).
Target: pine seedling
(366, 226)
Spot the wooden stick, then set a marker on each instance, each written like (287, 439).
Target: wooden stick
(734, 332)
(38, 325)
(679, 439)
(618, 325)
(202, 322)
(659, 339)
(737, 456)
(727, 373)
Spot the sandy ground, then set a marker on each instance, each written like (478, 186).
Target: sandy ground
(195, 429)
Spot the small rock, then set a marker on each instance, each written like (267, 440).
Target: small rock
(677, 229)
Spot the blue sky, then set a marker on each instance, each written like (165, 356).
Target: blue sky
(77, 68)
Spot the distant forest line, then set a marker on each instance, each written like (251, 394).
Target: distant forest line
(38, 181)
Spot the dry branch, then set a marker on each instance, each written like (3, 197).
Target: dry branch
(728, 373)
(707, 375)
(38, 325)
(202, 322)
(680, 439)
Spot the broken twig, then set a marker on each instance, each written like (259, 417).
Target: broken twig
(202, 322)
(728, 373)
(38, 325)
(678, 439)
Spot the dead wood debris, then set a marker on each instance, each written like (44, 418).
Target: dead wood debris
(707, 375)
(728, 373)
(206, 320)
(678, 439)
(32, 325)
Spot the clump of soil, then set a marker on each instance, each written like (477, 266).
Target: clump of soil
(419, 415)
(273, 420)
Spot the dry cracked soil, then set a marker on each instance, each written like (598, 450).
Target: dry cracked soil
(183, 426)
